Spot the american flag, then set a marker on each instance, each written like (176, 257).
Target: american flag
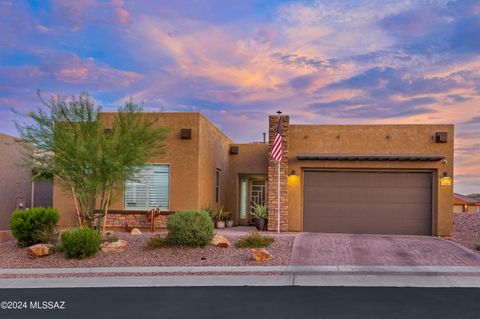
(277, 142)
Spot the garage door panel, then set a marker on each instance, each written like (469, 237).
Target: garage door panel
(370, 195)
(396, 227)
(366, 211)
(364, 179)
(368, 202)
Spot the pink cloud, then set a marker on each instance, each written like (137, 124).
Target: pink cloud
(123, 17)
(72, 69)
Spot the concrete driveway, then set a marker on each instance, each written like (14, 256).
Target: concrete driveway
(386, 250)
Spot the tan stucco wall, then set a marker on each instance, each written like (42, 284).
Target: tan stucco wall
(372, 139)
(186, 180)
(251, 159)
(213, 155)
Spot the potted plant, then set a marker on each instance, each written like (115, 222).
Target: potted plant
(211, 212)
(261, 216)
(228, 219)
(220, 219)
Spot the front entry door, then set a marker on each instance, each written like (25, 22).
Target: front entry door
(253, 189)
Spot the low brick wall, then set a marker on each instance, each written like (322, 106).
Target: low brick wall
(137, 220)
(5, 235)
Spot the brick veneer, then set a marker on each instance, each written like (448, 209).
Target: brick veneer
(135, 220)
(5, 235)
(272, 176)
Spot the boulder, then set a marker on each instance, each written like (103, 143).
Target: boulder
(260, 254)
(220, 241)
(40, 250)
(114, 247)
(135, 231)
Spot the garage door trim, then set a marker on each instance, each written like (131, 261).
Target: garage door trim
(432, 190)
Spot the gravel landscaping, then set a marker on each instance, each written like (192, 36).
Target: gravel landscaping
(466, 232)
(137, 255)
(466, 229)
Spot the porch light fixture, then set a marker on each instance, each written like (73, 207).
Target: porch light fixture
(293, 173)
(446, 180)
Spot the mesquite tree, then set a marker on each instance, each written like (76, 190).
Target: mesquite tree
(89, 153)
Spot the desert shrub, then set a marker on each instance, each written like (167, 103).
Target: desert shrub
(157, 242)
(34, 226)
(109, 238)
(191, 228)
(254, 240)
(80, 242)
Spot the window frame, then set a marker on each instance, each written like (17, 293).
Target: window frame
(218, 183)
(168, 189)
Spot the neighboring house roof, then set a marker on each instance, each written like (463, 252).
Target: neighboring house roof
(462, 199)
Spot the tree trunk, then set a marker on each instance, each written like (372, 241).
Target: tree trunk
(76, 208)
(106, 210)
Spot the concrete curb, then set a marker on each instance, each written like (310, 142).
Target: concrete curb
(292, 279)
(348, 276)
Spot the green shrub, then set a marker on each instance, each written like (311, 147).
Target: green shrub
(109, 238)
(80, 242)
(191, 228)
(34, 226)
(254, 240)
(157, 242)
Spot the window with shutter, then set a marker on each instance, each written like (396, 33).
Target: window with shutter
(149, 188)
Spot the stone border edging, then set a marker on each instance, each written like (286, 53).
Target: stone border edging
(338, 270)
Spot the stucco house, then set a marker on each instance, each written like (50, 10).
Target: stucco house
(381, 179)
(465, 204)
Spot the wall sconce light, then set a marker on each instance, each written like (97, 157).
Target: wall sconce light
(446, 180)
(293, 179)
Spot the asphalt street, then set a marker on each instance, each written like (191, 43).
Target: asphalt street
(241, 302)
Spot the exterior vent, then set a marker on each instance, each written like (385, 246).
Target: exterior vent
(234, 150)
(441, 137)
(186, 133)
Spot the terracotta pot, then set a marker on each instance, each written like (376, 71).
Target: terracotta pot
(229, 223)
(220, 224)
(260, 224)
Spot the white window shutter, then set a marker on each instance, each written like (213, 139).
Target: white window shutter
(149, 188)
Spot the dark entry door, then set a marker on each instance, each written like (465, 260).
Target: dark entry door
(368, 202)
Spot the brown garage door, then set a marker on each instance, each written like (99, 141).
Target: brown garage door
(368, 202)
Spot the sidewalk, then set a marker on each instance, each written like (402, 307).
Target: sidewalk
(353, 276)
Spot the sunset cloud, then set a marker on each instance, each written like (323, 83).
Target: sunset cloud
(335, 61)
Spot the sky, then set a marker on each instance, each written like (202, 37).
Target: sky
(237, 61)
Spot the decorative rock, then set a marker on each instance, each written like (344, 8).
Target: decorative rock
(260, 254)
(220, 241)
(114, 247)
(135, 231)
(40, 250)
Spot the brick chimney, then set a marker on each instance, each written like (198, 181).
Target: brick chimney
(273, 173)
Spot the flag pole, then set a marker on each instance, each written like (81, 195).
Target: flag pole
(278, 197)
(278, 177)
